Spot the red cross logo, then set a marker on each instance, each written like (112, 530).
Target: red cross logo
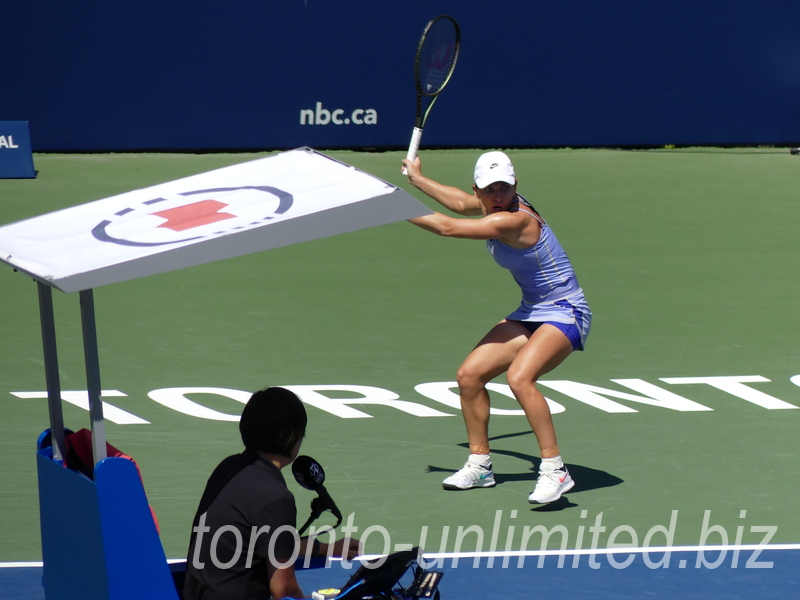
(193, 215)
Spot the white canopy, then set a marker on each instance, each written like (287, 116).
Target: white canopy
(283, 199)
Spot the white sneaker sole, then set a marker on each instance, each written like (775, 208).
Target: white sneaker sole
(450, 486)
(567, 487)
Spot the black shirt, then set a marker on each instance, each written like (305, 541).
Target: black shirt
(245, 501)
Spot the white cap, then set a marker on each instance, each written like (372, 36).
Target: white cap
(492, 167)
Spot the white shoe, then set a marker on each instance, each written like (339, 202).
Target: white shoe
(472, 475)
(550, 485)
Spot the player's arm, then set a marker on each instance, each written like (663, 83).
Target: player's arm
(506, 226)
(282, 582)
(452, 198)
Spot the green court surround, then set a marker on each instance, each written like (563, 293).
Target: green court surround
(689, 262)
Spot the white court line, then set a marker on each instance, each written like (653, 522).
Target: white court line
(617, 550)
(41, 564)
(513, 553)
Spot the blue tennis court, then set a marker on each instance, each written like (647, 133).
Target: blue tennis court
(724, 574)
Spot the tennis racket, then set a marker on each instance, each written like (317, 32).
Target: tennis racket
(437, 53)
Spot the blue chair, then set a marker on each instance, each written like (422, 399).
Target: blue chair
(99, 541)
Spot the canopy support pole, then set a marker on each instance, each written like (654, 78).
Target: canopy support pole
(52, 378)
(92, 361)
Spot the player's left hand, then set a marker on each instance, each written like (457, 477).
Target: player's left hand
(413, 168)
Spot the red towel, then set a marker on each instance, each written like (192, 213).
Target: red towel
(81, 459)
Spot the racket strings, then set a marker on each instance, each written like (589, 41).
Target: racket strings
(438, 57)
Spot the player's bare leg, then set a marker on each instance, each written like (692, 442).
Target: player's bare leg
(544, 351)
(491, 357)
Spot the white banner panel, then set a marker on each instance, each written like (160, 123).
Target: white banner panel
(284, 199)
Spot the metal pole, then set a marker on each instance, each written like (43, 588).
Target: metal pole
(51, 371)
(93, 375)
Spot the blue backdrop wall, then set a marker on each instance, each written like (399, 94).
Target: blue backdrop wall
(269, 74)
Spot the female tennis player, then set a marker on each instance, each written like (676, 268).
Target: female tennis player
(552, 321)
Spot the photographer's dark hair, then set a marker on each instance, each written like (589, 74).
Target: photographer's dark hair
(273, 421)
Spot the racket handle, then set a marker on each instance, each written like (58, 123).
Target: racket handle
(416, 137)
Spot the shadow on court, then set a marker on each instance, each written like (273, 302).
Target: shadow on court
(586, 478)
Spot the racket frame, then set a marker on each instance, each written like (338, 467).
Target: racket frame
(422, 117)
